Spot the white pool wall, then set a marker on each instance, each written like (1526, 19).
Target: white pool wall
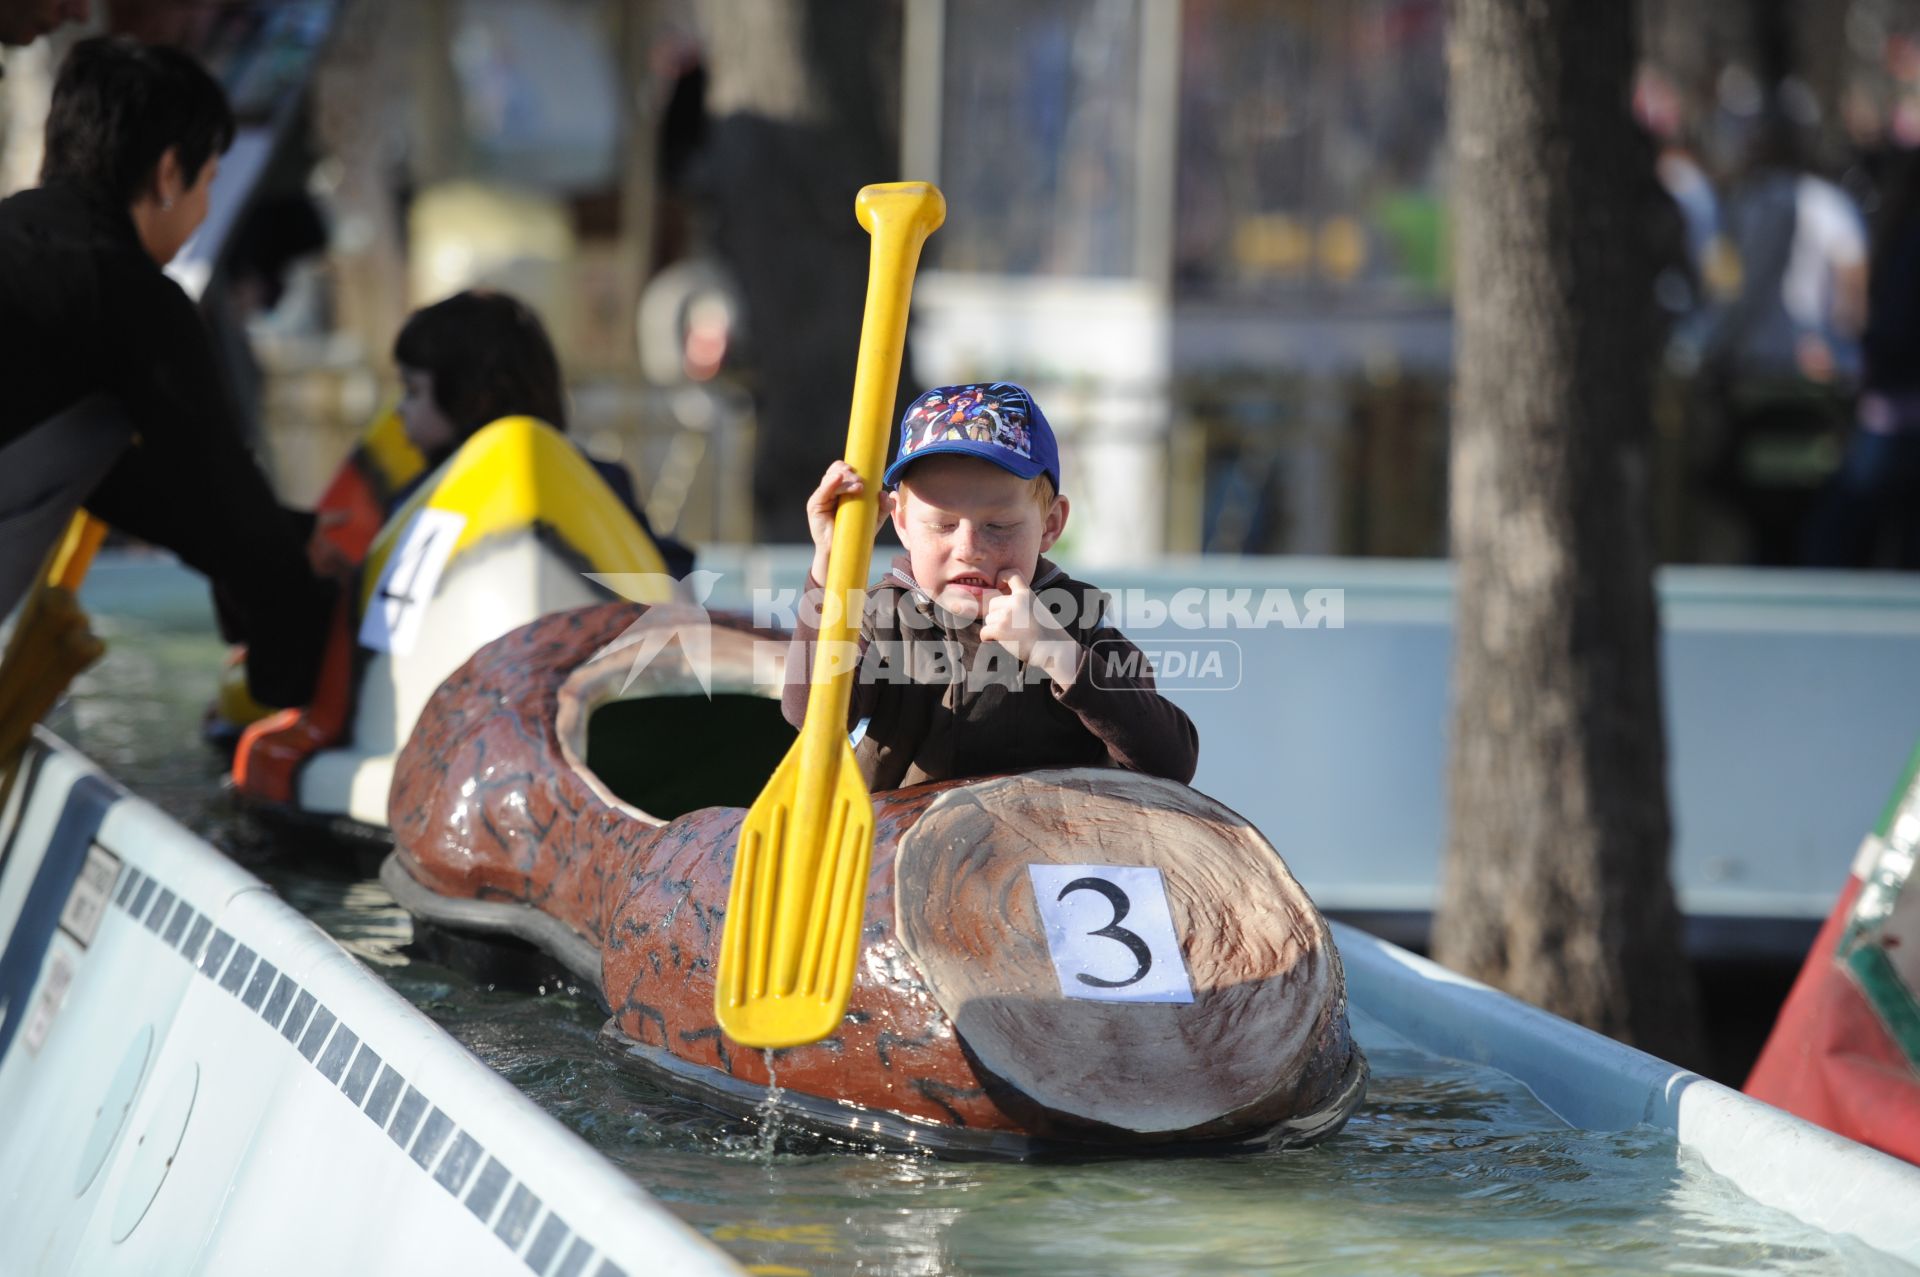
(1595, 1083)
(164, 1112)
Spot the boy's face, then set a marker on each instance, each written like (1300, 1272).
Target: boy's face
(967, 525)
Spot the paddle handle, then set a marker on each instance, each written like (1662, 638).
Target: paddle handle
(50, 644)
(74, 555)
(792, 935)
(65, 567)
(898, 216)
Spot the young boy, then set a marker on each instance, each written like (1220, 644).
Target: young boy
(977, 655)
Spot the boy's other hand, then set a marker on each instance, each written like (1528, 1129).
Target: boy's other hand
(1015, 620)
(839, 482)
(326, 558)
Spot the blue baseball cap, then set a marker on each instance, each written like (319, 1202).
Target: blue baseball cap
(996, 421)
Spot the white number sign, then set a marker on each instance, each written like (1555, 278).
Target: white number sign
(411, 576)
(1111, 933)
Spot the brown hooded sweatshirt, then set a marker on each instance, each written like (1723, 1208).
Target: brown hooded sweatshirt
(938, 704)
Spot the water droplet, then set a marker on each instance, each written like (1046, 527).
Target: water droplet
(769, 1112)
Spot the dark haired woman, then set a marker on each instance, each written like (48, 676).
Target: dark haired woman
(112, 398)
(481, 355)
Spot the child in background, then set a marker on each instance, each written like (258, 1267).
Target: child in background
(479, 356)
(977, 655)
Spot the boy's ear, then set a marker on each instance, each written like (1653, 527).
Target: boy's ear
(1055, 524)
(892, 505)
(169, 183)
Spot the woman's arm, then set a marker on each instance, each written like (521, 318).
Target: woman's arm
(189, 484)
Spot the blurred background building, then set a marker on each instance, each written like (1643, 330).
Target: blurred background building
(1210, 234)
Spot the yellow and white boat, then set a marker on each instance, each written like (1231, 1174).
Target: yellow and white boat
(505, 532)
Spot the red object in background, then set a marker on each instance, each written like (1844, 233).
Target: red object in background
(1845, 1052)
(1831, 1059)
(267, 762)
(353, 508)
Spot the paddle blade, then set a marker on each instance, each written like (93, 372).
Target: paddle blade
(792, 933)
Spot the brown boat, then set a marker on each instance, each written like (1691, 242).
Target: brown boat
(1078, 959)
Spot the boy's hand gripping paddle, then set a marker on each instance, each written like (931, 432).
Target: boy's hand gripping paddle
(51, 643)
(792, 932)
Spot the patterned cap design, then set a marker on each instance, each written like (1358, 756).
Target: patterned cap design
(996, 421)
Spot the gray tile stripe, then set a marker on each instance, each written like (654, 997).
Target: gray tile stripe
(157, 915)
(217, 950)
(278, 1000)
(196, 936)
(339, 1051)
(487, 1189)
(576, 1259)
(360, 1074)
(182, 914)
(311, 1027)
(303, 1006)
(433, 1134)
(517, 1217)
(238, 969)
(458, 1165)
(385, 1092)
(553, 1234)
(257, 987)
(407, 1119)
(317, 1030)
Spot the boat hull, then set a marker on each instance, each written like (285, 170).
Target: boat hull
(963, 1028)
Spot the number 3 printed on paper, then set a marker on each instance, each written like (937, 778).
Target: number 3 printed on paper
(1110, 932)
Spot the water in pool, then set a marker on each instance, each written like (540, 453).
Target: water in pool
(1447, 1167)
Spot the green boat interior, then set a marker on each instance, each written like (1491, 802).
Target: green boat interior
(669, 755)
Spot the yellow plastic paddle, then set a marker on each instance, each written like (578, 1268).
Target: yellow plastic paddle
(51, 643)
(800, 874)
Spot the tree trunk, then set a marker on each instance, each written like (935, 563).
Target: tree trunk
(803, 99)
(1556, 883)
